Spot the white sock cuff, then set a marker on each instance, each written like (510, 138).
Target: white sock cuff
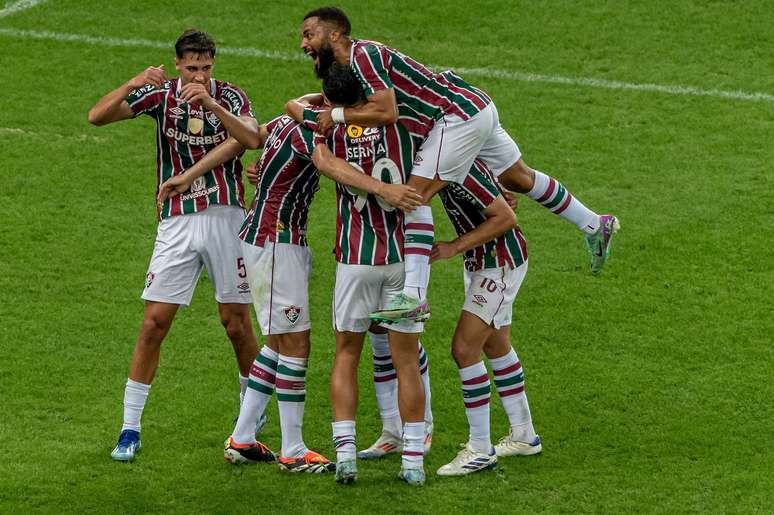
(343, 427)
(298, 363)
(474, 370)
(422, 214)
(269, 353)
(142, 387)
(380, 343)
(414, 429)
(504, 361)
(540, 186)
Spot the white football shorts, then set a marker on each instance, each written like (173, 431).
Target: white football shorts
(279, 279)
(453, 144)
(489, 293)
(186, 243)
(361, 289)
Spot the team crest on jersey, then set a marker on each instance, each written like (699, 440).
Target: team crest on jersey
(149, 277)
(280, 226)
(292, 313)
(214, 120)
(479, 299)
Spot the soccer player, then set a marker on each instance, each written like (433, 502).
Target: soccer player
(195, 229)
(278, 264)
(370, 269)
(458, 123)
(494, 271)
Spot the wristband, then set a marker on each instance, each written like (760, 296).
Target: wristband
(337, 115)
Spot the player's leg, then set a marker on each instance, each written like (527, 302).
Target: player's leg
(509, 382)
(485, 293)
(170, 282)
(386, 389)
(235, 319)
(344, 393)
(411, 401)
(356, 293)
(291, 399)
(156, 323)
(503, 157)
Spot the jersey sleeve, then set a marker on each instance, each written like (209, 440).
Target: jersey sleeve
(310, 117)
(145, 100)
(236, 101)
(302, 142)
(480, 186)
(370, 64)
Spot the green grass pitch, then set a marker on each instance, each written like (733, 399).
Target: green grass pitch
(651, 385)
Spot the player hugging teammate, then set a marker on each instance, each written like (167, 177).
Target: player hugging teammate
(392, 134)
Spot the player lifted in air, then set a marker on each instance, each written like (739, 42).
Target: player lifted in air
(197, 228)
(278, 263)
(494, 270)
(458, 123)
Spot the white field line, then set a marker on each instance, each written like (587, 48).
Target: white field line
(78, 136)
(16, 7)
(479, 72)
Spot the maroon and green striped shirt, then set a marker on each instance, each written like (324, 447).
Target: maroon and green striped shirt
(288, 182)
(422, 95)
(465, 204)
(369, 231)
(185, 132)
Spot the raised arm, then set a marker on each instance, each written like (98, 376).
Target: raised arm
(113, 107)
(380, 109)
(402, 196)
(243, 128)
(295, 107)
(499, 218)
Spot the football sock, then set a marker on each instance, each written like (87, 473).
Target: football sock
(291, 396)
(242, 388)
(344, 439)
(509, 381)
(424, 370)
(475, 392)
(556, 198)
(260, 387)
(385, 384)
(419, 233)
(413, 444)
(135, 395)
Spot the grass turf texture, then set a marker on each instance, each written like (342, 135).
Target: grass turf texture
(650, 385)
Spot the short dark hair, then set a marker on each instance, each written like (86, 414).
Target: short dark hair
(332, 15)
(341, 86)
(195, 41)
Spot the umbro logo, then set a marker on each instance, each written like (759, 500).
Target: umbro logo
(176, 111)
(479, 299)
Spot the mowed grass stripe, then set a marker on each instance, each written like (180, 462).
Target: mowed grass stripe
(478, 72)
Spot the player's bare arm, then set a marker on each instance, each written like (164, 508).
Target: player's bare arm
(402, 196)
(243, 128)
(113, 107)
(295, 107)
(227, 150)
(499, 218)
(380, 109)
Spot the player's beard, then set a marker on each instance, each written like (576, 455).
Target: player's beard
(325, 59)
